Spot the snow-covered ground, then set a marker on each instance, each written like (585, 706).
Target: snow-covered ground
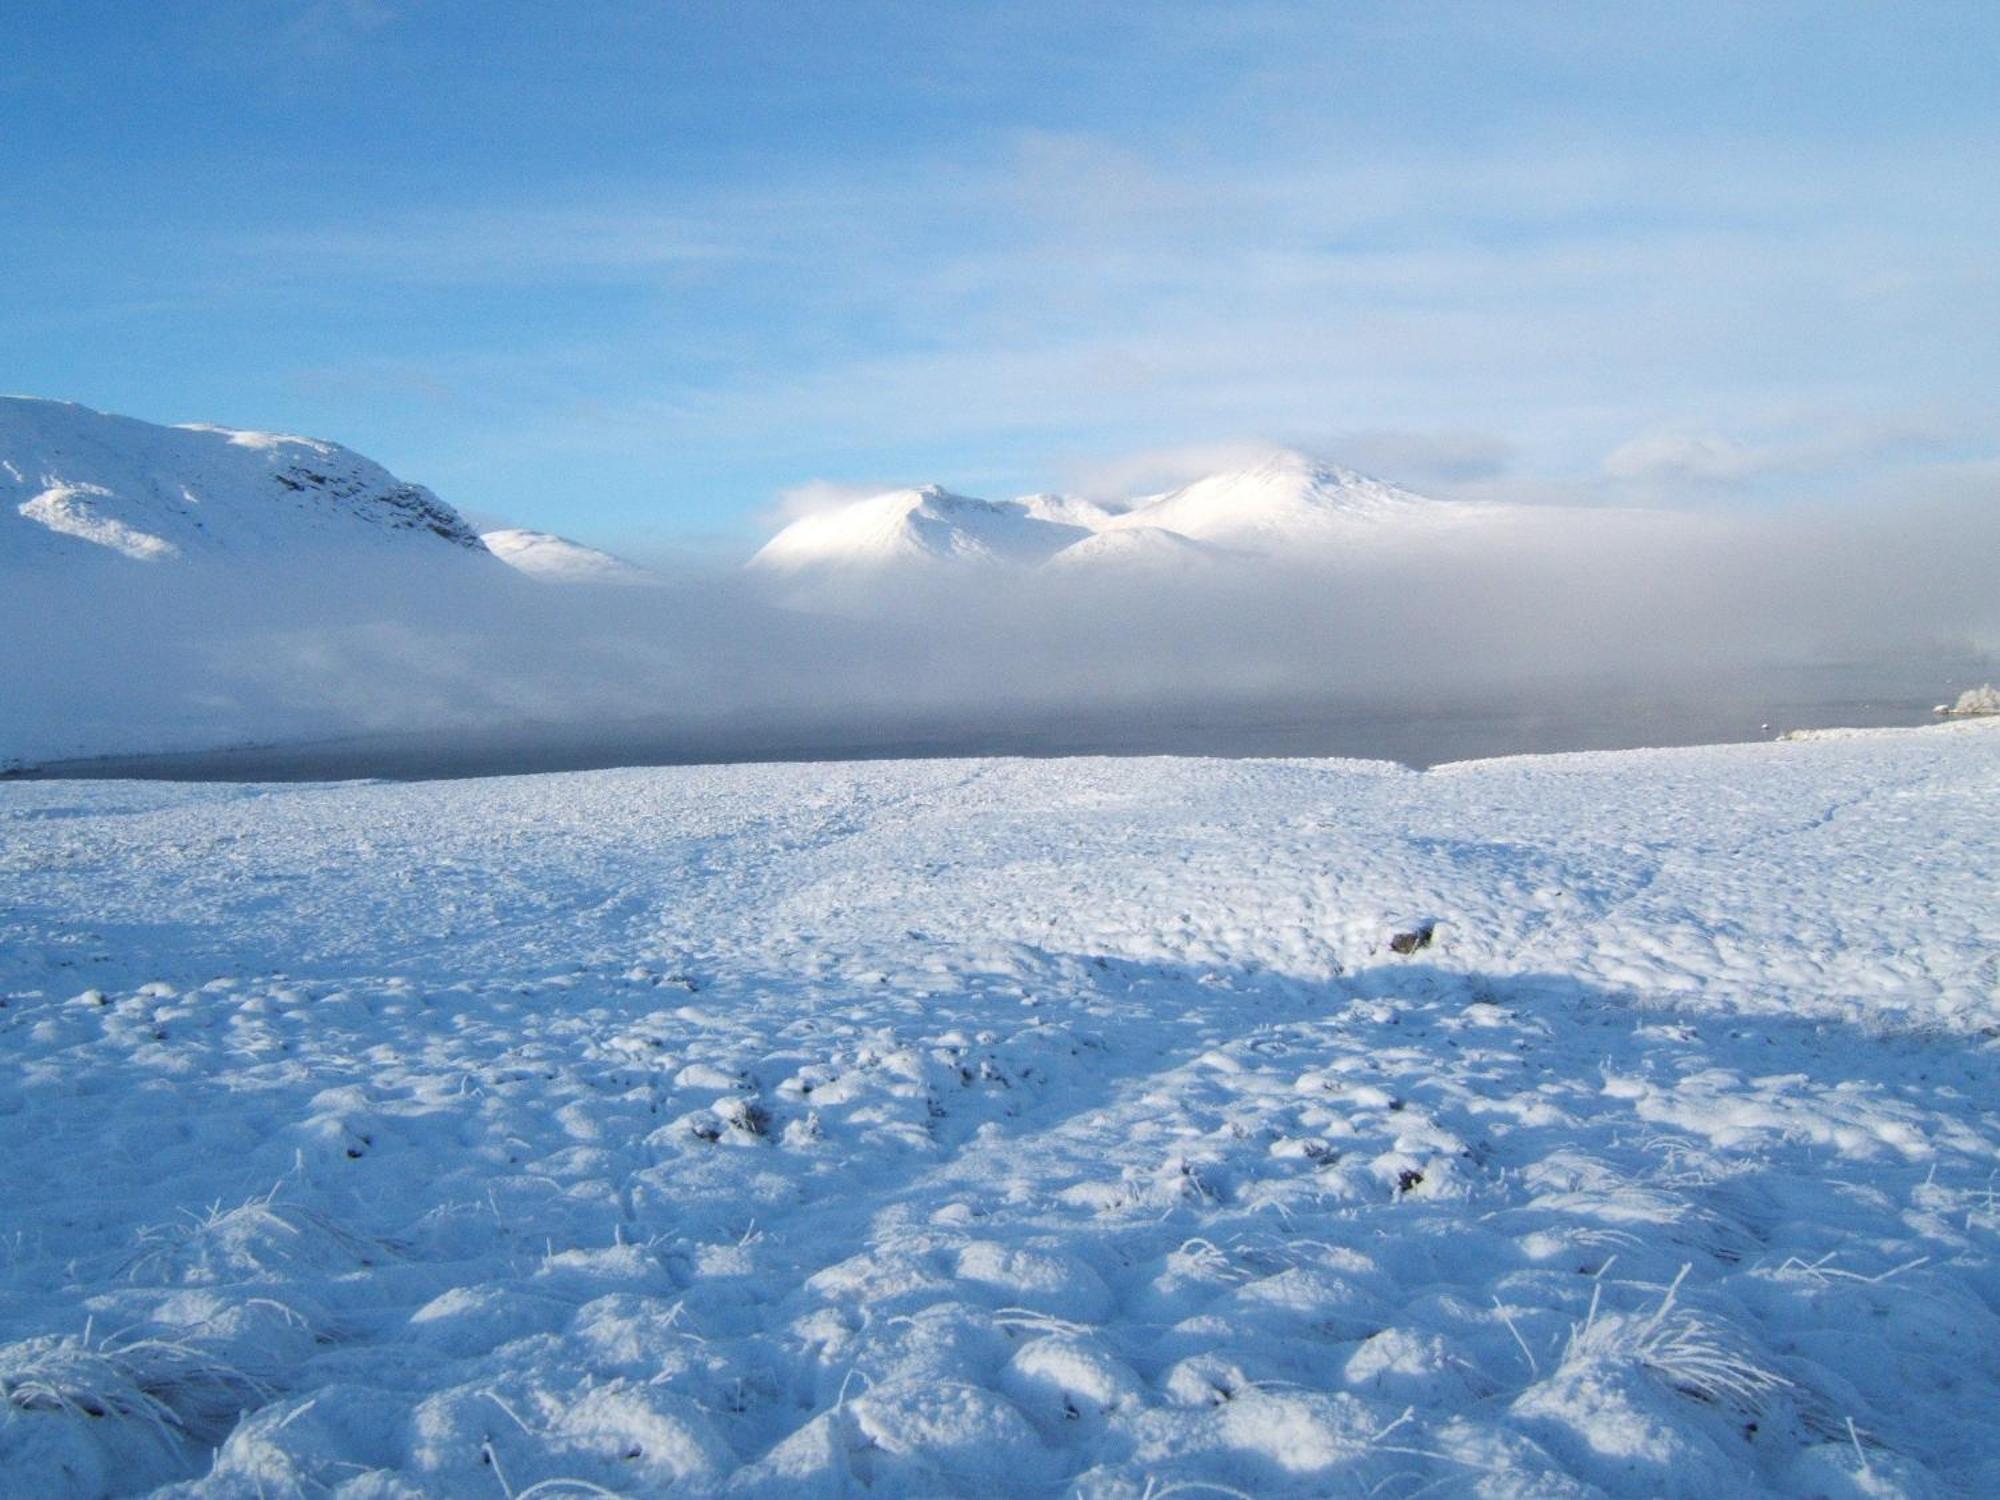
(1011, 1128)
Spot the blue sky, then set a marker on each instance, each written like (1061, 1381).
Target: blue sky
(650, 274)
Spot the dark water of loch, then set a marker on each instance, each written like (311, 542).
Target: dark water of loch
(1416, 735)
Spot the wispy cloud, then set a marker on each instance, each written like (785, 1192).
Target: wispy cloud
(795, 502)
(319, 28)
(1682, 457)
(1806, 445)
(1081, 293)
(520, 245)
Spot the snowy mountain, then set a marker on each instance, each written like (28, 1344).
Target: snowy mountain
(1287, 507)
(554, 559)
(1072, 510)
(926, 525)
(78, 483)
(1138, 549)
(191, 587)
(1287, 502)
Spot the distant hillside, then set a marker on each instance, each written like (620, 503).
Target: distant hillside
(80, 483)
(555, 559)
(1288, 508)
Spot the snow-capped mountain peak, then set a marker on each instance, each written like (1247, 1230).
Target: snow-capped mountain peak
(1286, 506)
(928, 524)
(79, 483)
(1288, 499)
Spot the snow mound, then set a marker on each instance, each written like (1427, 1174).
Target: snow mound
(76, 483)
(555, 559)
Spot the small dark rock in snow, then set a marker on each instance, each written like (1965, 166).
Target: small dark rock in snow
(1410, 939)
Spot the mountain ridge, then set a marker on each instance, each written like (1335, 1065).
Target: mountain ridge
(73, 478)
(1281, 507)
(548, 558)
(924, 523)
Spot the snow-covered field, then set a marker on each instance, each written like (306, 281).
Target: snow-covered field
(1011, 1128)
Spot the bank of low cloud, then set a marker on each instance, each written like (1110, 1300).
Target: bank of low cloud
(108, 657)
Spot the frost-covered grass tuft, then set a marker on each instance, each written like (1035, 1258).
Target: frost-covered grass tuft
(170, 1388)
(1678, 1347)
(257, 1238)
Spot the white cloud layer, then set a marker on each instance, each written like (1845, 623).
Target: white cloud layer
(1704, 608)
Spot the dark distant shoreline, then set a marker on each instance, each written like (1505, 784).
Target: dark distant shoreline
(1362, 731)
